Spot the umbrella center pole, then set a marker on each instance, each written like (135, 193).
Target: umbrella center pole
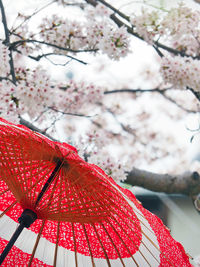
(25, 220)
(49, 181)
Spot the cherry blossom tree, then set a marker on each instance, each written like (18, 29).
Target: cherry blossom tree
(112, 124)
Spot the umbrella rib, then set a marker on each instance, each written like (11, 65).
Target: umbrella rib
(92, 260)
(110, 200)
(6, 210)
(86, 235)
(74, 239)
(113, 243)
(56, 247)
(138, 247)
(147, 238)
(3, 192)
(130, 240)
(36, 244)
(130, 210)
(99, 239)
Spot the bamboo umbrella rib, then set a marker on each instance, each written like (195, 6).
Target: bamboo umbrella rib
(75, 249)
(149, 240)
(86, 235)
(130, 209)
(140, 230)
(126, 245)
(136, 246)
(10, 207)
(104, 251)
(56, 246)
(124, 197)
(36, 243)
(89, 247)
(5, 191)
(113, 243)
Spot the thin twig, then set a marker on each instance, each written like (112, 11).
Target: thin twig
(154, 90)
(6, 79)
(69, 113)
(136, 91)
(35, 13)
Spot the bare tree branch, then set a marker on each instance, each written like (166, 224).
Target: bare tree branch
(37, 58)
(34, 128)
(20, 42)
(69, 113)
(154, 90)
(187, 183)
(7, 41)
(126, 90)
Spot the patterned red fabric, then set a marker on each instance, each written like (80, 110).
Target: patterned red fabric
(91, 219)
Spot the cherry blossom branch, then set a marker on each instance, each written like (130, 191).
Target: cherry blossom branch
(37, 58)
(130, 30)
(196, 94)
(124, 90)
(187, 183)
(156, 90)
(20, 42)
(70, 114)
(7, 42)
(34, 128)
(113, 9)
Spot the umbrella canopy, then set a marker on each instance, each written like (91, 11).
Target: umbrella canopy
(80, 216)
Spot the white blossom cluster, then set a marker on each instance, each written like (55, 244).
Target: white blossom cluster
(147, 25)
(8, 108)
(77, 95)
(63, 33)
(94, 148)
(116, 169)
(182, 26)
(182, 72)
(95, 33)
(33, 91)
(179, 27)
(115, 42)
(4, 60)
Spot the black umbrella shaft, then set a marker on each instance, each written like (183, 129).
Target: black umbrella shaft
(11, 242)
(49, 181)
(25, 220)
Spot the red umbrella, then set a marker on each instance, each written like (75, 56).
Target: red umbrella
(75, 214)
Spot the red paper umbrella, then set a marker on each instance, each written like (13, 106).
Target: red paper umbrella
(70, 211)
